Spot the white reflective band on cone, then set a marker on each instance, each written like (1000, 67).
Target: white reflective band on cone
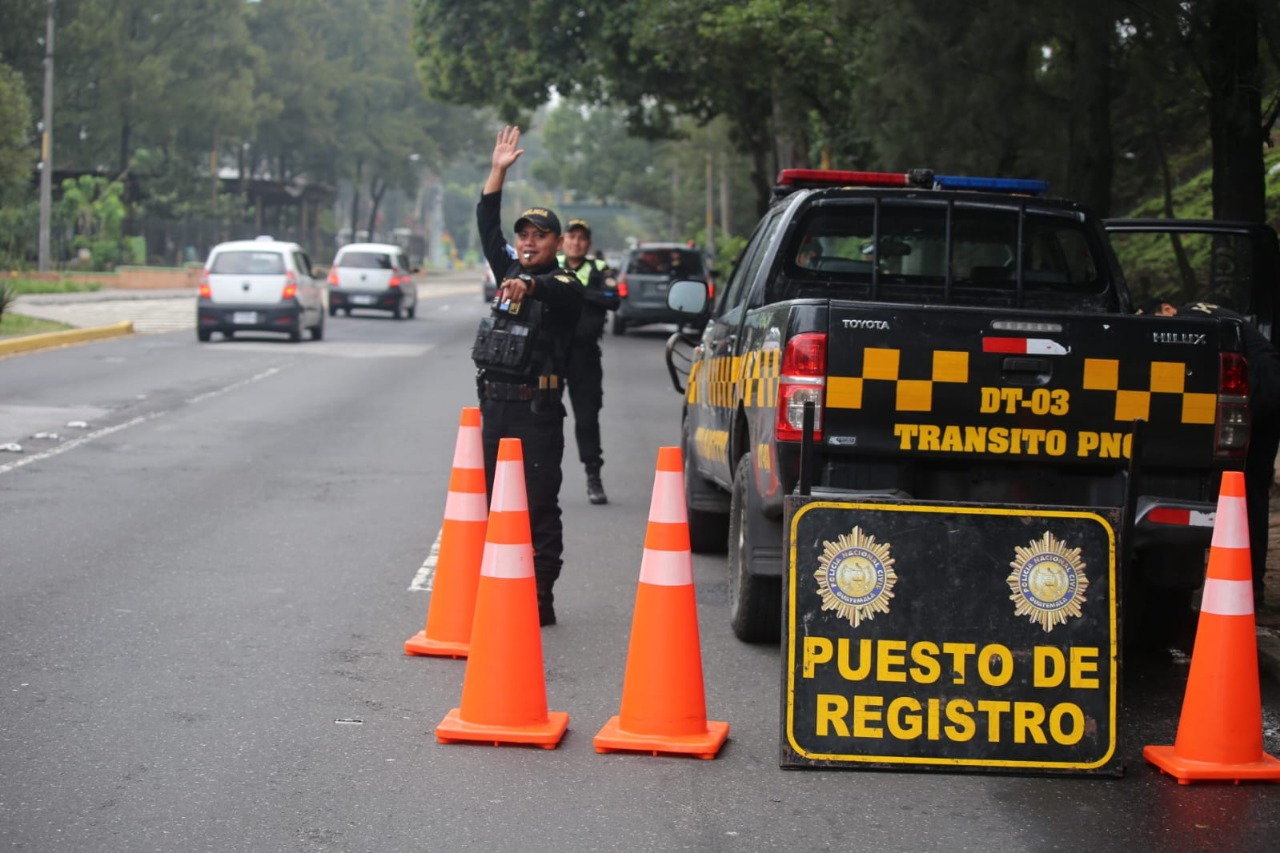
(508, 488)
(466, 506)
(668, 499)
(666, 568)
(1231, 530)
(1227, 598)
(507, 561)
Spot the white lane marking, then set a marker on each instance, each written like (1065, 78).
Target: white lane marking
(422, 581)
(74, 443)
(141, 419)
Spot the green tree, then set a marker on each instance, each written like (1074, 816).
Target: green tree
(16, 154)
(94, 209)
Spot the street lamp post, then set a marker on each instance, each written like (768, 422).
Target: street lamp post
(46, 143)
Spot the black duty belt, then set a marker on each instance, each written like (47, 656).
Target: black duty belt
(546, 385)
(508, 391)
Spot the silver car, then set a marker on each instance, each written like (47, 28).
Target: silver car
(262, 285)
(376, 276)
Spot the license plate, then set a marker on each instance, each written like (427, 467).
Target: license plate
(244, 318)
(362, 300)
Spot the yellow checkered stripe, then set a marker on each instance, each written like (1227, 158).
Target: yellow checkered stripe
(759, 378)
(751, 378)
(883, 365)
(1167, 377)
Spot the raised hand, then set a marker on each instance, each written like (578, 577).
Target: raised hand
(505, 150)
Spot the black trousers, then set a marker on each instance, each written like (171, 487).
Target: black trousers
(585, 380)
(541, 437)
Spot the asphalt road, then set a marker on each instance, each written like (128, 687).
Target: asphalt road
(206, 588)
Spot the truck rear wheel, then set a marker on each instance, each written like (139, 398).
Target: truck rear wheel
(755, 599)
(708, 530)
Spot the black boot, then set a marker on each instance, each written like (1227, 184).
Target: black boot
(595, 488)
(546, 612)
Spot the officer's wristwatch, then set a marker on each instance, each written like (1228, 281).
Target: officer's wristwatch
(528, 282)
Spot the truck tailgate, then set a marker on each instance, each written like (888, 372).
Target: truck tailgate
(913, 380)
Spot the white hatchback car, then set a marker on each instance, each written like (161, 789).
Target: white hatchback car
(261, 285)
(377, 276)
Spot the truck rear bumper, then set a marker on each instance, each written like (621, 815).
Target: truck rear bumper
(1160, 521)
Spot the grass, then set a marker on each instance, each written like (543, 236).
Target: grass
(27, 285)
(13, 325)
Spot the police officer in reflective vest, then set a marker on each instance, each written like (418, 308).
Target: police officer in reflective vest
(586, 373)
(521, 353)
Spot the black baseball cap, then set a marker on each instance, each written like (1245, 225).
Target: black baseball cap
(580, 223)
(540, 218)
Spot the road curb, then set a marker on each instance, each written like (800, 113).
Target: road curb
(27, 343)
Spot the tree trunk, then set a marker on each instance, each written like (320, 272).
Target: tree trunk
(377, 188)
(355, 200)
(1235, 111)
(1089, 159)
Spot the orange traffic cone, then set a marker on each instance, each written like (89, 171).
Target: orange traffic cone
(504, 693)
(664, 708)
(1220, 730)
(466, 512)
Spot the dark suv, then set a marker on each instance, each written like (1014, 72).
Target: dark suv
(646, 277)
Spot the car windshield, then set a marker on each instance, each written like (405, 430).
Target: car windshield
(248, 263)
(668, 262)
(916, 241)
(366, 260)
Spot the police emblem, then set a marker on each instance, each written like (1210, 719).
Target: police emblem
(855, 577)
(1048, 582)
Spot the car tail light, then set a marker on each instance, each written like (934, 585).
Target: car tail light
(205, 291)
(290, 285)
(1231, 427)
(396, 280)
(622, 287)
(333, 276)
(803, 380)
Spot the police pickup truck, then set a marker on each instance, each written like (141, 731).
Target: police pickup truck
(959, 339)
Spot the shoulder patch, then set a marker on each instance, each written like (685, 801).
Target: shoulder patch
(564, 279)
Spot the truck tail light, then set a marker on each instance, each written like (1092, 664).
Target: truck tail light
(333, 276)
(622, 287)
(205, 291)
(1231, 426)
(803, 380)
(290, 285)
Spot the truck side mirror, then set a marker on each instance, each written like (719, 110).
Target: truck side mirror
(688, 297)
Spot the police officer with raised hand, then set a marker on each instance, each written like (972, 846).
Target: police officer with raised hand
(521, 353)
(586, 372)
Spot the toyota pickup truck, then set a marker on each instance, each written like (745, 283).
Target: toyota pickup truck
(960, 339)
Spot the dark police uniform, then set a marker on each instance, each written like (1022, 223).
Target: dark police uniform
(527, 405)
(586, 372)
(1264, 433)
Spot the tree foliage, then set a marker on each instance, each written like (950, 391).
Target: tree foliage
(1041, 89)
(173, 93)
(16, 156)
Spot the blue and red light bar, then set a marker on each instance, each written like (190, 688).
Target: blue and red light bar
(789, 179)
(999, 185)
(838, 178)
